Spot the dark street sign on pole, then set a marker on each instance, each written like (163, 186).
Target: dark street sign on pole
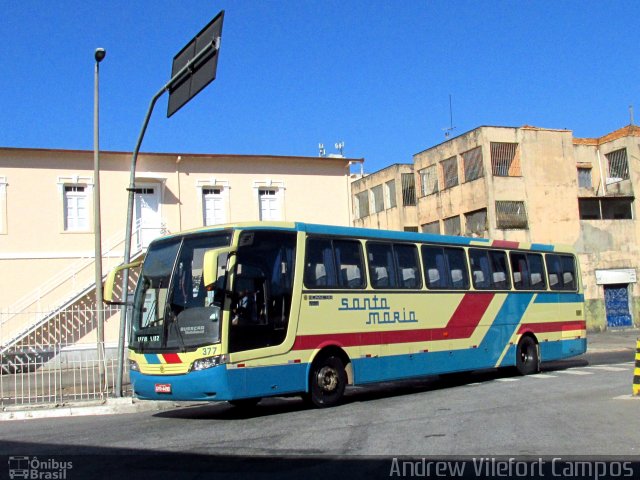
(193, 69)
(201, 72)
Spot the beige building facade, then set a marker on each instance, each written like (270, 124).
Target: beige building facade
(535, 185)
(46, 213)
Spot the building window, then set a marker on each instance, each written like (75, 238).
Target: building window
(511, 215)
(618, 165)
(269, 204)
(76, 211)
(212, 206)
(605, 208)
(452, 226)
(429, 180)
(362, 204)
(472, 162)
(378, 199)
(408, 189)
(391, 193)
(431, 227)
(450, 172)
(584, 178)
(411, 229)
(505, 159)
(476, 223)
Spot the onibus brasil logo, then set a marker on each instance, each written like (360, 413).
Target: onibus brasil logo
(37, 469)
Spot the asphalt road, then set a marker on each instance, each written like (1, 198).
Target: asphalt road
(577, 407)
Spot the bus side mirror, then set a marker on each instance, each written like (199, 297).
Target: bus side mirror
(109, 284)
(215, 265)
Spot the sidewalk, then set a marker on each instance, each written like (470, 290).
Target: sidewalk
(612, 340)
(108, 406)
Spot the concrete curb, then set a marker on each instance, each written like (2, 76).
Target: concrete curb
(110, 406)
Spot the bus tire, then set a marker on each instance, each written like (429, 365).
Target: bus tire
(327, 381)
(527, 357)
(245, 403)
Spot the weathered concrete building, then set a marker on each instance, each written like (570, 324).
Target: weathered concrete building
(532, 185)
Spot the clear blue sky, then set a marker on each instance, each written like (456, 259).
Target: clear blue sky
(291, 74)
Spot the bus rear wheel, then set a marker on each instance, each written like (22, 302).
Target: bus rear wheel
(327, 382)
(527, 358)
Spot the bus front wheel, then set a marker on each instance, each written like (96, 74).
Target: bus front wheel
(527, 358)
(327, 382)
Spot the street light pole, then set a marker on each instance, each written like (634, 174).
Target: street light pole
(99, 56)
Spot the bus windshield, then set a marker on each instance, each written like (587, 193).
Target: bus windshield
(172, 309)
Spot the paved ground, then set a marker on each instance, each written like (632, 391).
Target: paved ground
(579, 408)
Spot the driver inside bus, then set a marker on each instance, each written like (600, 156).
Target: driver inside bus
(245, 311)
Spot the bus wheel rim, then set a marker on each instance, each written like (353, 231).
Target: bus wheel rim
(328, 379)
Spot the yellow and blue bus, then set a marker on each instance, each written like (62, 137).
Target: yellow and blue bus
(240, 312)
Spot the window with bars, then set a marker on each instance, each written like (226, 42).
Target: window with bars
(511, 215)
(472, 163)
(618, 165)
(378, 199)
(452, 226)
(408, 189)
(429, 180)
(431, 227)
(584, 178)
(450, 172)
(505, 159)
(605, 208)
(391, 193)
(476, 223)
(362, 204)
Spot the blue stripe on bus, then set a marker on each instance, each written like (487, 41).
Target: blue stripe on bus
(486, 355)
(553, 350)
(152, 359)
(542, 247)
(559, 297)
(221, 383)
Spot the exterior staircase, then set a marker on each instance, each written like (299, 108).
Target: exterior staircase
(31, 335)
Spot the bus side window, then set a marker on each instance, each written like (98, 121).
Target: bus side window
(319, 270)
(480, 269)
(381, 265)
(407, 259)
(568, 272)
(435, 266)
(536, 267)
(348, 256)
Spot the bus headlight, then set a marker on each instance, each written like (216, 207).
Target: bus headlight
(133, 366)
(209, 362)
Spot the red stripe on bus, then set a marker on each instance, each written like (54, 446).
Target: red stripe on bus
(462, 324)
(505, 244)
(552, 327)
(171, 358)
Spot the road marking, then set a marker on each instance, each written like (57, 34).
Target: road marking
(507, 379)
(543, 376)
(474, 384)
(607, 368)
(627, 397)
(574, 372)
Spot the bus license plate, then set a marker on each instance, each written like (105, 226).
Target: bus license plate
(163, 388)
